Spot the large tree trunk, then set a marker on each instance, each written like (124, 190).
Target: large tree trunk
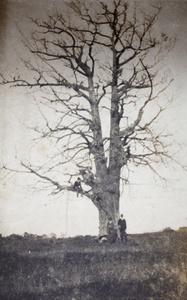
(103, 219)
(112, 210)
(109, 202)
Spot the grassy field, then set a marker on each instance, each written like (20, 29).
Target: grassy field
(150, 266)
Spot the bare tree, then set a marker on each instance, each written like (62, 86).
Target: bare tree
(99, 67)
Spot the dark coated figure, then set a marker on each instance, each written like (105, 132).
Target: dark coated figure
(111, 231)
(122, 225)
(78, 187)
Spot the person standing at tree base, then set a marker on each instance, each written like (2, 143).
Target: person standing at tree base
(122, 225)
(111, 232)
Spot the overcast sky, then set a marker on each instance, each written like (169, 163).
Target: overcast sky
(148, 204)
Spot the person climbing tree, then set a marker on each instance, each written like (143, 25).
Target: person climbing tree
(78, 187)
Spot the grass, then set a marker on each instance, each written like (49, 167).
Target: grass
(150, 266)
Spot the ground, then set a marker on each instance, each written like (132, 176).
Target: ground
(150, 266)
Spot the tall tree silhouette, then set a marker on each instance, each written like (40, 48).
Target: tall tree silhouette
(99, 67)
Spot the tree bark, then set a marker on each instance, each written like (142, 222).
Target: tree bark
(112, 211)
(103, 219)
(109, 201)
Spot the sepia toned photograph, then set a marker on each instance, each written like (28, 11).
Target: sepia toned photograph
(93, 150)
